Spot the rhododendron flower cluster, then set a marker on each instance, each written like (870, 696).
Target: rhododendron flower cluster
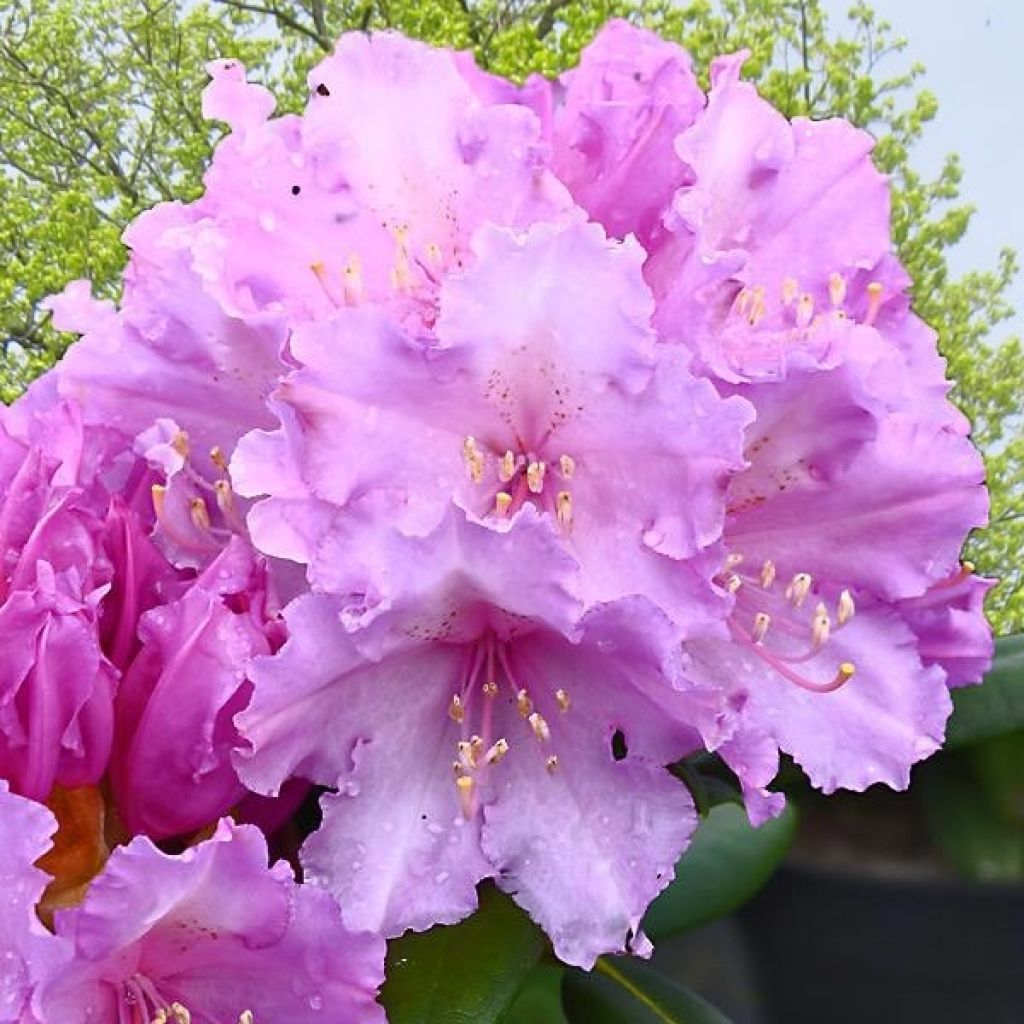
(467, 454)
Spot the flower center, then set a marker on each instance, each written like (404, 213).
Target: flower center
(487, 676)
(141, 1002)
(772, 622)
(514, 477)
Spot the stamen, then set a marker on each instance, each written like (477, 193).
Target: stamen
(535, 477)
(563, 701)
(539, 726)
(467, 755)
(352, 276)
(524, 704)
(804, 310)
(477, 746)
(507, 467)
(563, 509)
(767, 573)
(180, 443)
(836, 289)
(490, 689)
(219, 459)
(733, 583)
(845, 608)
(456, 709)
(497, 751)
(474, 459)
(199, 513)
(731, 561)
(158, 494)
(874, 291)
(464, 784)
(401, 272)
(181, 1015)
(245, 1017)
(798, 589)
(821, 626)
(789, 290)
(225, 496)
(502, 502)
(567, 464)
(762, 620)
(551, 763)
(744, 299)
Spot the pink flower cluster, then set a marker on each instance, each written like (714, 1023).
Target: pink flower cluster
(474, 452)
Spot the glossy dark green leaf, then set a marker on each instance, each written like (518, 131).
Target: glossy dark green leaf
(621, 990)
(469, 973)
(726, 864)
(997, 706)
(540, 999)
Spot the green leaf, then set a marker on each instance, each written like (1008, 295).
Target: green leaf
(997, 706)
(969, 831)
(726, 864)
(624, 991)
(540, 999)
(467, 973)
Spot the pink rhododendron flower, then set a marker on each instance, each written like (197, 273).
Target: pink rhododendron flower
(210, 934)
(468, 731)
(171, 772)
(581, 426)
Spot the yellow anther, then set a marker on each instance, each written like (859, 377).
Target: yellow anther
(845, 608)
(467, 755)
(474, 459)
(562, 700)
(821, 626)
(804, 310)
(490, 689)
(198, 511)
(523, 704)
(507, 467)
(798, 589)
(180, 443)
(967, 568)
(225, 496)
(401, 275)
(158, 493)
(551, 763)
(874, 291)
(502, 503)
(456, 709)
(836, 289)
(762, 620)
(744, 300)
(181, 1015)
(218, 458)
(539, 725)
(847, 670)
(789, 290)
(563, 509)
(767, 573)
(245, 1017)
(567, 465)
(535, 476)
(352, 277)
(497, 751)
(733, 583)
(464, 784)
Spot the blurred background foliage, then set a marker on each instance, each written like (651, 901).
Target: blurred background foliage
(99, 119)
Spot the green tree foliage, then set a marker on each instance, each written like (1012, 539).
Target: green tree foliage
(99, 119)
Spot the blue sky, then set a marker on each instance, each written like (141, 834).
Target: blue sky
(973, 51)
